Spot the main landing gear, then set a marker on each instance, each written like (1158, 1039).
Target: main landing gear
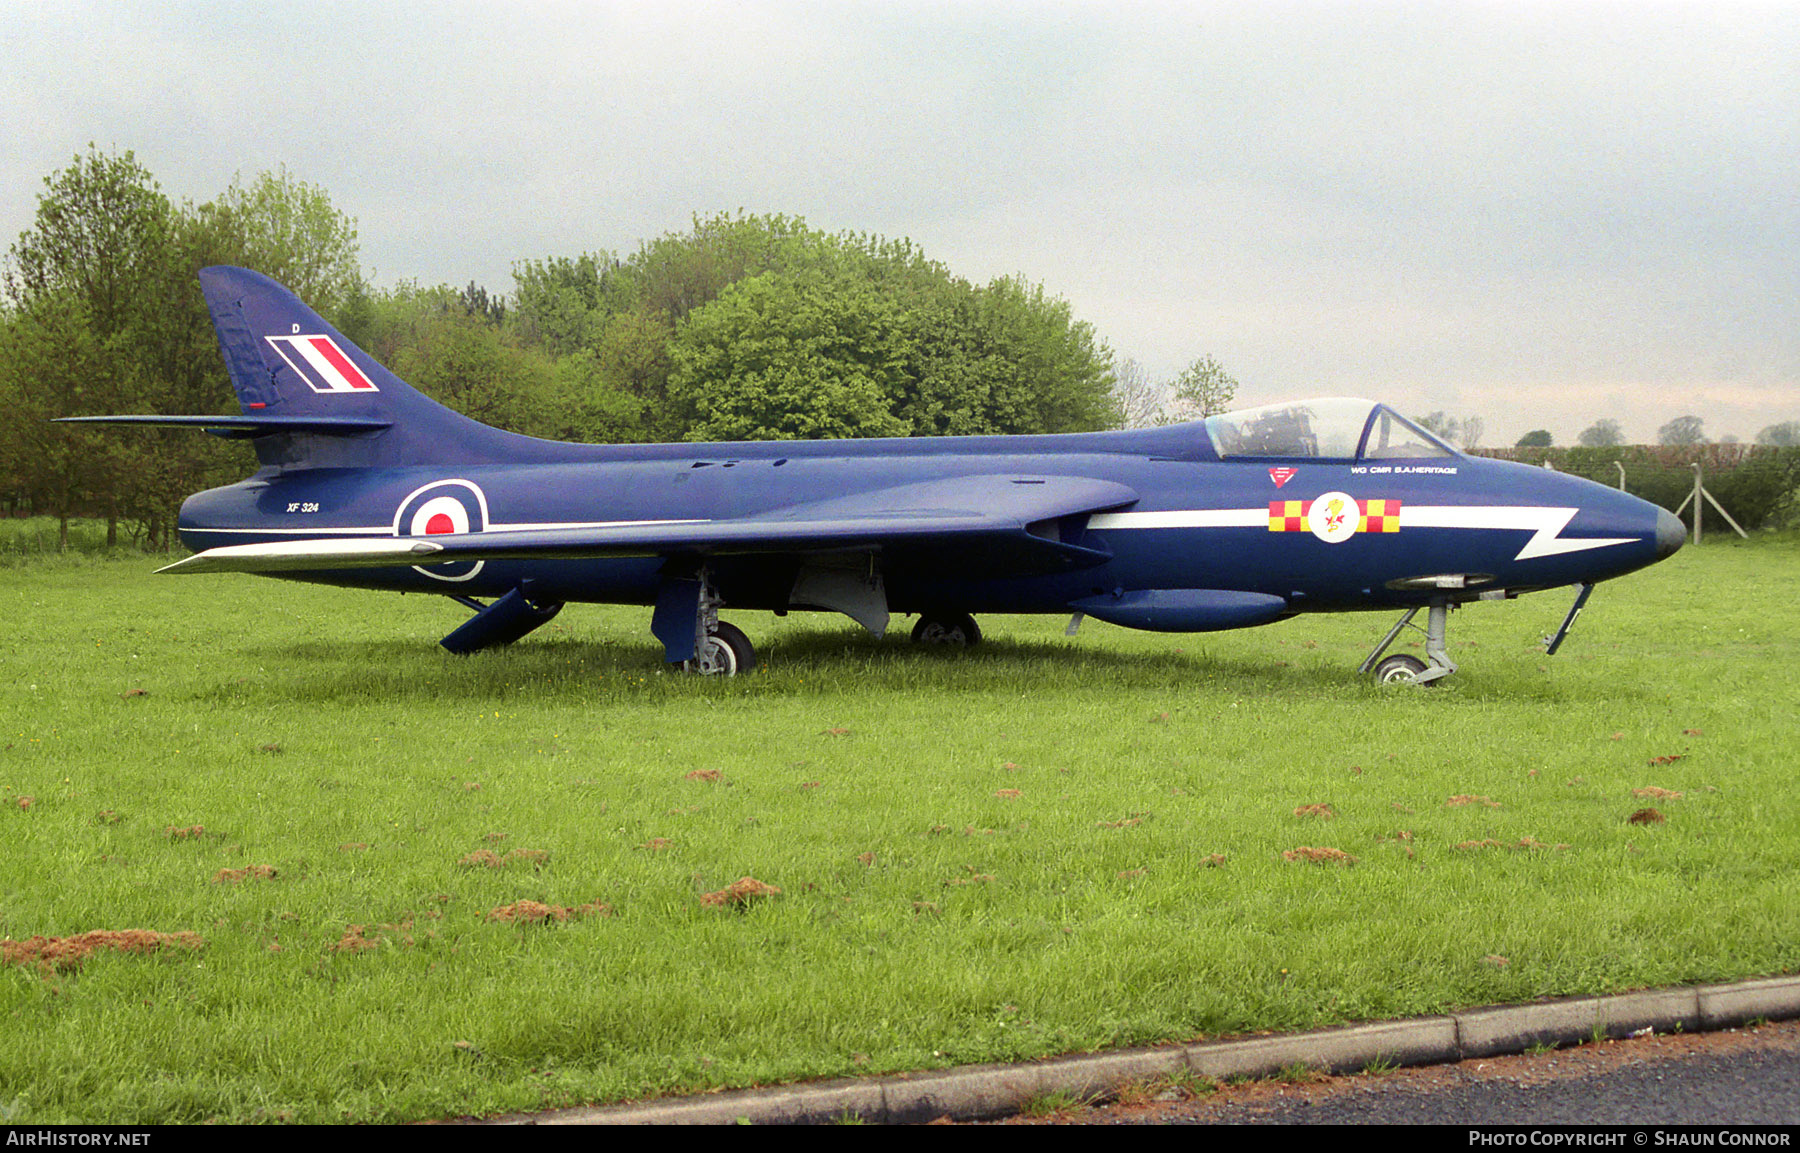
(694, 639)
(726, 652)
(1403, 668)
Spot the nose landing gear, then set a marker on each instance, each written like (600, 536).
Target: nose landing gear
(1402, 668)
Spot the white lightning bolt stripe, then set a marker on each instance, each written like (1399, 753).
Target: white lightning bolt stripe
(1545, 524)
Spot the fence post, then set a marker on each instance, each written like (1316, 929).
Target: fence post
(1696, 498)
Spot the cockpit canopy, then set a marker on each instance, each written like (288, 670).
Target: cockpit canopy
(1340, 428)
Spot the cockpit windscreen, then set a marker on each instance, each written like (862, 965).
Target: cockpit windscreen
(1332, 428)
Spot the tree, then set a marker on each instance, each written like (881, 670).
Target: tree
(1536, 438)
(53, 364)
(678, 273)
(1783, 435)
(1204, 388)
(775, 358)
(1604, 433)
(106, 279)
(1004, 357)
(432, 339)
(287, 230)
(1139, 399)
(562, 304)
(1440, 424)
(1683, 430)
(89, 287)
(1473, 429)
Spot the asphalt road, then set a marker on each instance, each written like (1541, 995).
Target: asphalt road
(1679, 1056)
(1730, 1078)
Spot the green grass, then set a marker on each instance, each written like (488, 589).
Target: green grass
(39, 538)
(999, 855)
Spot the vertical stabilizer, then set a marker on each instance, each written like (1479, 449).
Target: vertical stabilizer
(287, 363)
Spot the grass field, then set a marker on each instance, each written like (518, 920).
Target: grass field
(356, 844)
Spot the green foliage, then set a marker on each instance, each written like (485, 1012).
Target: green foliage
(760, 327)
(1204, 388)
(286, 229)
(1201, 389)
(105, 316)
(1536, 438)
(559, 303)
(444, 345)
(774, 358)
(96, 325)
(594, 409)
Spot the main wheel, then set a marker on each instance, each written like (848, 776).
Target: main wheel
(954, 629)
(1399, 669)
(726, 653)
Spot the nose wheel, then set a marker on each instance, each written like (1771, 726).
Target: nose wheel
(1399, 669)
(1403, 668)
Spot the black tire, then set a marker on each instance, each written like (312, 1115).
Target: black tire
(741, 648)
(726, 653)
(952, 630)
(1399, 669)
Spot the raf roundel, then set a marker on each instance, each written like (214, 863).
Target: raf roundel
(440, 508)
(440, 514)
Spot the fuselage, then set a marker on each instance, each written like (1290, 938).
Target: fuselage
(1445, 527)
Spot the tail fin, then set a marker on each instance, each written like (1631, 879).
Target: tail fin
(312, 399)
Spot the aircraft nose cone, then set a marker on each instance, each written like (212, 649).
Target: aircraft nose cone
(1671, 534)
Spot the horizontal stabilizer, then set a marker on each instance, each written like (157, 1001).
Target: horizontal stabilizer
(244, 427)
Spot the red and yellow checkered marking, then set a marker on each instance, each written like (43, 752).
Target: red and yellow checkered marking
(1375, 515)
(1379, 516)
(1288, 515)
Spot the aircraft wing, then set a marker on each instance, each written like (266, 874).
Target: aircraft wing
(1009, 525)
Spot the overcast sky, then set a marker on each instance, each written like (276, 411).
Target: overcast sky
(1540, 214)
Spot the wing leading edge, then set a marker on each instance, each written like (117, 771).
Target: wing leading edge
(1013, 523)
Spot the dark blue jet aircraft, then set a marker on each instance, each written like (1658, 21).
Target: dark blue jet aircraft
(1241, 519)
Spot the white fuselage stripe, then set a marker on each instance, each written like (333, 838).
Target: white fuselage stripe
(546, 526)
(1545, 524)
